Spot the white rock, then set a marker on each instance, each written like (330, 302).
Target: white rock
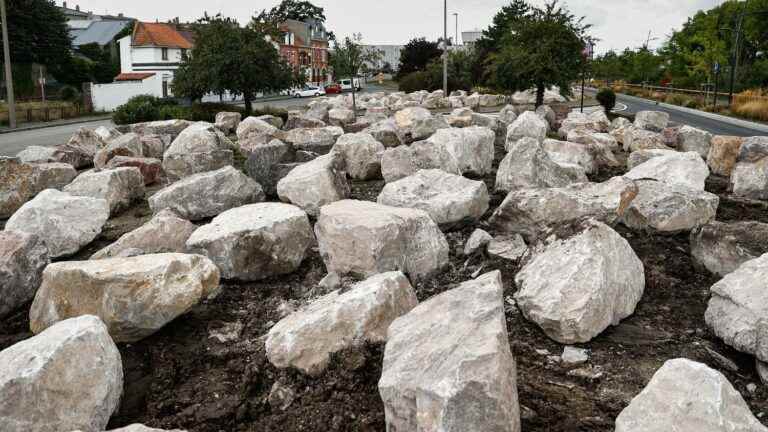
(341, 116)
(364, 238)
(574, 356)
(306, 339)
(387, 133)
(477, 242)
(361, 154)
(750, 179)
(228, 122)
(120, 187)
(37, 154)
(548, 114)
(686, 396)
(124, 145)
(528, 165)
(207, 194)
(450, 200)
(162, 127)
(723, 154)
(198, 148)
(448, 365)
(668, 208)
(255, 241)
(684, 169)
(510, 248)
(418, 123)
(723, 247)
(165, 232)
(317, 140)
(654, 121)
(22, 260)
(527, 125)
(564, 152)
(253, 132)
(642, 156)
(690, 139)
(472, 147)
(577, 285)
(403, 161)
(639, 139)
(68, 377)
(316, 183)
(20, 182)
(135, 297)
(107, 133)
(508, 114)
(65, 223)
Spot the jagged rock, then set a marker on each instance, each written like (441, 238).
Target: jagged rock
(316, 183)
(85, 143)
(460, 118)
(737, 307)
(690, 139)
(576, 284)
(165, 232)
(670, 136)
(618, 123)
(107, 133)
(255, 241)
(387, 133)
(450, 200)
(364, 238)
(750, 179)
(341, 117)
(654, 121)
(723, 247)
(418, 123)
(599, 143)
(154, 146)
(361, 155)
(685, 169)
(564, 152)
(163, 127)
(120, 187)
(448, 365)
(527, 125)
(198, 148)
(296, 120)
(528, 165)
(318, 140)
(723, 154)
(669, 208)
(534, 212)
(207, 194)
(642, 156)
(403, 161)
(273, 120)
(125, 145)
(253, 132)
(318, 110)
(135, 297)
(640, 139)
(263, 164)
(510, 248)
(574, 356)
(17, 185)
(68, 377)
(686, 396)
(507, 115)
(307, 338)
(548, 114)
(477, 242)
(64, 223)
(472, 147)
(149, 168)
(22, 260)
(753, 149)
(228, 122)
(37, 154)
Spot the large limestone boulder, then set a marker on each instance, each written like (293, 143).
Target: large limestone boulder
(564, 152)
(254, 242)
(253, 132)
(120, 187)
(83, 146)
(460, 118)
(534, 212)
(508, 115)
(149, 168)
(669, 208)
(52, 175)
(527, 165)
(654, 121)
(387, 133)
(228, 122)
(739, 303)
(154, 146)
(472, 147)
(124, 145)
(66, 378)
(418, 123)
(316, 183)
(22, 260)
(162, 127)
(642, 156)
(165, 232)
(579, 282)
(317, 140)
(198, 148)
(723, 154)
(307, 338)
(450, 200)
(20, 182)
(527, 125)
(364, 238)
(297, 120)
(135, 297)
(404, 161)
(265, 164)
(318, 110)
(600, 145)
(448, 365)
(750, 179)
(341, 117)
(691, 139)
(37, 154)
(547, 113)
(686, 396)
(361, 154)
(640, 139)
(724, 247)
(64, 223)
(753, 149)
(685, 169)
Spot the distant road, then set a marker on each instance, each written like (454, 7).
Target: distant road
(14, 142)
(633, 105)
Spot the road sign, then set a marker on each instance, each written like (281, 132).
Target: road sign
(717, 67)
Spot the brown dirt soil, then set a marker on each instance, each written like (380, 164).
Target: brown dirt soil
(207, 371)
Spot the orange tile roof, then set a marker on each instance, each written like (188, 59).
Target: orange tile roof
(159, 34)
(134, 76)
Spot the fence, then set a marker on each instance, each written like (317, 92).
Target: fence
(42, 114)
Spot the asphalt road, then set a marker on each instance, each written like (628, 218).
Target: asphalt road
(712, 126)
(14, 142)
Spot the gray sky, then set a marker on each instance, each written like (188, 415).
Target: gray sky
(618, 23)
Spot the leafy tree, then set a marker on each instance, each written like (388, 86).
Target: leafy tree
(607, 99)
(227, 57)
(492, 38)
(349, 58)
(416, 55)
(300, 10)
(543, 49)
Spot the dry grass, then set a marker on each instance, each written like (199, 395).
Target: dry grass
(752, 104)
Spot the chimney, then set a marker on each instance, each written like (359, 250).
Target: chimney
(64, 5)
(77, 8)
(120, 15)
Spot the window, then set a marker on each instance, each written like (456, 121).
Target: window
(165, 53)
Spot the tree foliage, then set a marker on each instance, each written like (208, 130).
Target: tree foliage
(230, 58)
(416, 55)
(492, 38)
(300, 10)
(349, 58)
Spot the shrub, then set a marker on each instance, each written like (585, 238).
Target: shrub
(69, 94)
(138, 109)
(607, 99)
(414, 81)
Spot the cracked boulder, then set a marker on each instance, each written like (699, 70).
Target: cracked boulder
(361, 154)
(564, 152)
(317, 140)
(723, 247)
(228, 122)
(640, 157)
(254, 132)
(654, 121)
(527, 125)
(669, 208)
(691, 139)
(387, 133)
(472, 147)
(316, 183)
(198, 148)
(404, 161)
(527, 165)
(723, 154)
(23, 257)
(20, 182)
(684, 169)
(165, 232)
(750, 179)
(120, 187)
(124, 145)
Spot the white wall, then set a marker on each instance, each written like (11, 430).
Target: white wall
(126, 62)
(107, 97)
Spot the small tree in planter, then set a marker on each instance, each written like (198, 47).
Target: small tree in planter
(349, 58)
(607, 99)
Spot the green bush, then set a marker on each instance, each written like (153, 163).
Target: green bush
(69, 94)
(414, 82)
(147, 108)
(607, 99)
(138, 109)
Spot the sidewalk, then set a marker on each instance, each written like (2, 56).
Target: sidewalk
(42, 125)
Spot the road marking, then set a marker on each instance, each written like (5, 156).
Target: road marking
(620, 107)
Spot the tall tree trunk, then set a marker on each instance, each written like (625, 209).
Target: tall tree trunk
(248, 103)
(539, 94)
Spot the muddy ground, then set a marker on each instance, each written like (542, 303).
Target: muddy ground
(207, 371)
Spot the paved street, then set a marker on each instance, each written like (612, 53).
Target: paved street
(14, 142)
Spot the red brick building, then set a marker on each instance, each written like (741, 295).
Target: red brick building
(305, 46)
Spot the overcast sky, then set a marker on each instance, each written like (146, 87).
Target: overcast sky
(618, 23)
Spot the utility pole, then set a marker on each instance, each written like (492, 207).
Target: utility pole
(8, 73)
(736, 51)
(456, 40)
(445, 50)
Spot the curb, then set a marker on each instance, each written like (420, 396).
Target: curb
(50, 125)
(712, 116)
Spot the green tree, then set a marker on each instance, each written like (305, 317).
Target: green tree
(543, 49)
(300, 10)
(416, 55)
(227, 57)
(349, 58)
(492, 38)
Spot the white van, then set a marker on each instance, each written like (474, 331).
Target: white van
(346, 84)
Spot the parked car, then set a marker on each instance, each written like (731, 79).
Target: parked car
(333, 89)
(308, 91)
(346, 84)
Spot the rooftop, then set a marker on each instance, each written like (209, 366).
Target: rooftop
(161, 35)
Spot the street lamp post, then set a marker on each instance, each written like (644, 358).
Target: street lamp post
(445, 50)
(8, 73)
(456, 40)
